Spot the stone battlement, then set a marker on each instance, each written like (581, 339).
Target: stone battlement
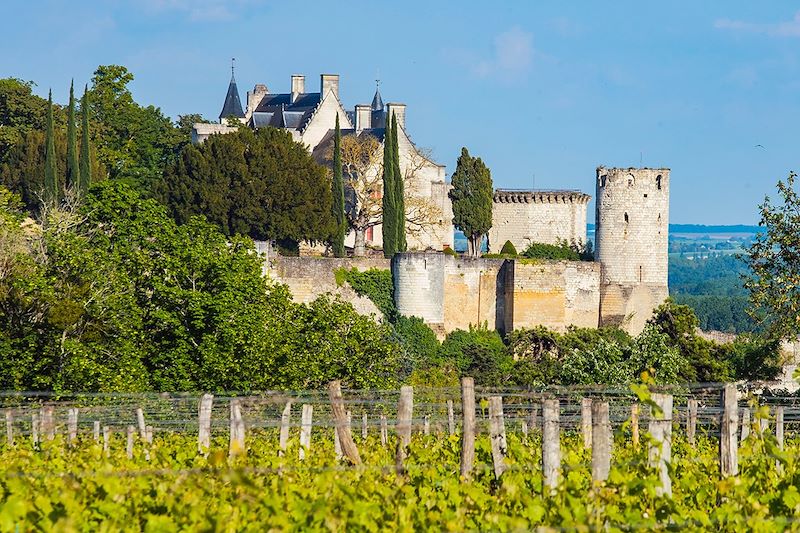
(528, 196)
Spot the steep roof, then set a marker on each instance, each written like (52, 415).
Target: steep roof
(279, 111)
(377, 101)
(232, 105)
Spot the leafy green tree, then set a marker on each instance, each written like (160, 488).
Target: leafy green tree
(337, 190)
(399, 191)
(21, 112)
(134, 143)
(390, 208)
(472, 199)
(51, 182)
(479, 353)
(85, 180)
(73, 172)
(774, 262)
(256, 183)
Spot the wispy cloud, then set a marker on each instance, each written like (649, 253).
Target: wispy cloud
(199, 10)
(788, 28)
(512, 56)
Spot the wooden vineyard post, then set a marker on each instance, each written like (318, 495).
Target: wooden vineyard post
(286, 420)
(745, 424)
(140, 422)
(601, 441)
(660, 453)
(497, 434)
(48, 424)
(364, 426)
(534, 423)
(35, 430)
(635, 425)
(384, 430)
(524, 428)
(691, 420)
(728, 446)
(236, 445)
(204, 423)
(337, 444)
(779, 434)
(586, 422)
(305, 429)
(106, 439)
(129, 444)
(451, 419)
(468, 426)
(9, 427)
(343, 433)
(96, 430)
(405, 411)
(426, 425)
(72, 425)
(551, 445)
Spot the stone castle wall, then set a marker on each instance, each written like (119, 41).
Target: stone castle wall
(632, 221)
(452, 293)
(310, 277)
(523, 217)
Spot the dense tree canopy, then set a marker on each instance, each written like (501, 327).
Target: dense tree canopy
(257, 183)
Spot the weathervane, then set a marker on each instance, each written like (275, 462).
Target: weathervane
(233, 64)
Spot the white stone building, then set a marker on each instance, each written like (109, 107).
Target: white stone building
(310, 117)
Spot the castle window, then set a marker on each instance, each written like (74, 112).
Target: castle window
(658, 182)
(640, 273)
(603, 180)
(626, 218)
(631, 180)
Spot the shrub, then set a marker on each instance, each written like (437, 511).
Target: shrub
(540, 250)
(508, 249)
(449, 251)
(479, 353)
(418, 340)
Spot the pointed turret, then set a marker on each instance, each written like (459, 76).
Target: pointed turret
(233, 105)
(377, 106)
(377, 101)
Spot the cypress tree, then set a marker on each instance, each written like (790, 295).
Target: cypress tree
(389, 195)
(72, 143)
(51, 194)
(399, 191)
(472, 194)
(85, 164)
(338, 194)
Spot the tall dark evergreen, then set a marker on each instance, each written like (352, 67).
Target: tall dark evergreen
(389, 194)
(51, 187)
(472, 199)
(85, 164)
(338, 195)
(72, 143)
(399, 191)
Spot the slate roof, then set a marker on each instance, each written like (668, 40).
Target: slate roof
(232, 105)
(278, 110)
(377, 101)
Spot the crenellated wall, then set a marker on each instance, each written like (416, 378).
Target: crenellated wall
(525, 216)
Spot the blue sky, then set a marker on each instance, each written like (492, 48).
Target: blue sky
(546, 88)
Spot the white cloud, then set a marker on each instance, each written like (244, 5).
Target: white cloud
(512, 56)
(200, 10)
(789, 28)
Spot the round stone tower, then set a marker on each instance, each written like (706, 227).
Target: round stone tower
(631, 230)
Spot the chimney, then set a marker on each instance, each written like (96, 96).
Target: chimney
(254, 98)
(399, 111)
(329, 82)
(298, 86)
(363, 117)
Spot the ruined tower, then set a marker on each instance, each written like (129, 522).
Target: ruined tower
(631, 230)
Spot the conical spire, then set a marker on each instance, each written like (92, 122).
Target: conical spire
(377, 101)
(233, 105)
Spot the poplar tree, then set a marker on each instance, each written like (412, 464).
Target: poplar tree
(389, 194)
(399, 191)
(472, 199)
(85, 163)
(51, 195)
(338, 194)
(72, 143)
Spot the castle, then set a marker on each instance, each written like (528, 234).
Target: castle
(621, 287)
(310, 117)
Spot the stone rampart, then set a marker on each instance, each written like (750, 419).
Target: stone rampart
(525, 216)
(554, 294)
(310, 277)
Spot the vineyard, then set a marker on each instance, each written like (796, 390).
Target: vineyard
(700, 458)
